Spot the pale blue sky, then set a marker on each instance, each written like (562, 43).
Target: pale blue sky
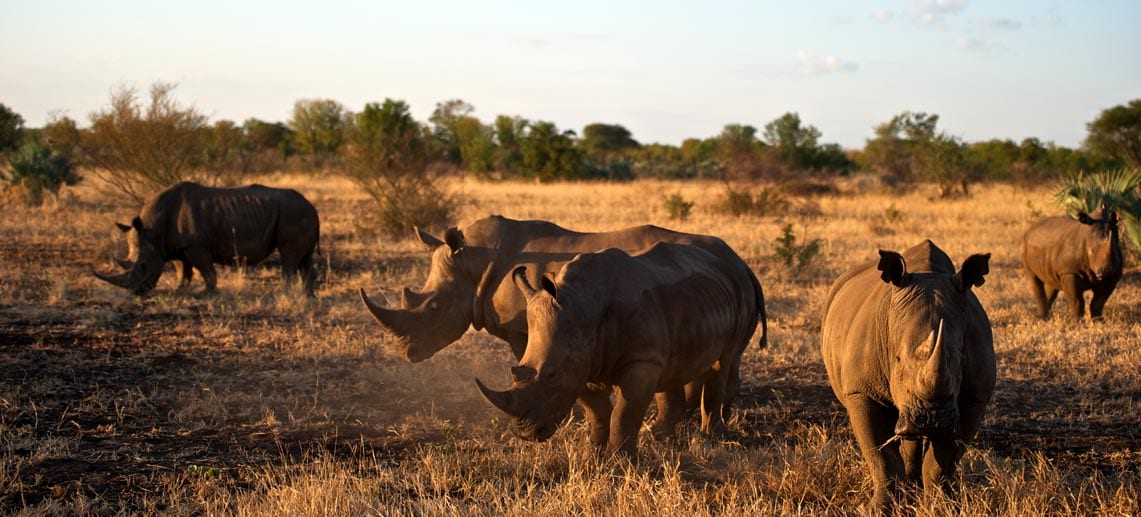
(667, 70)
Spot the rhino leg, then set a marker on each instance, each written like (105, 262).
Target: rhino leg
(294, 267)
(596, 405)
(671, 408)
(1074, 296)
(202, 261)
(713, 401)
(635, 389)
(873, 425)
(1044, 297)
(912, 453)
(1101, 294)
(185, 273)
(939, 464)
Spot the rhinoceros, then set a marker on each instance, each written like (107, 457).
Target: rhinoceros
(196, 226)
(469, 283)
(909, 353)
(1059, 253)
(643, 323)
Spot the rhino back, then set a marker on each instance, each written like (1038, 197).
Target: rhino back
(546, 246)
(1055, 246)
(676, 305)
(245, 223)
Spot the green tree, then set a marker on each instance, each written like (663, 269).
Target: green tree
(319, 126)
(1117, 132)
(739, 152)
(894, 146)
(140, 149)
(388, 158)
(225, 150)
(549, 154)
(444, 119)
(604, 142)
(11, 129)
(795, 144)
(269, 144)
(476, 145)
(509, 132)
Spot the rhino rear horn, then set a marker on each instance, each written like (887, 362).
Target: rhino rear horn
(519, 276)
(427, 238)
(500, 399)
(125, 264)
(123, 227)
(893, 267)
(974, 269)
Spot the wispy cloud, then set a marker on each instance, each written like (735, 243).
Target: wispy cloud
(808, 63)
(975, 45)
(1002, 24)
(531, 43)
(932, 12)
(883, 15)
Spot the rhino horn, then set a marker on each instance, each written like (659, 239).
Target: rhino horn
(428, 238)
(936, 363)
(123, 227)
(500, 399)
(519, 276)
(379, 312)
(125, 264)
(406, 299)
(119, 280)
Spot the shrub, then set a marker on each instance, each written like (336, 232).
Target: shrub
(767, 200)
(1118, 189)
(793, 256)
(678, 207)
(387, 157)
(140, 149)
(35, 169)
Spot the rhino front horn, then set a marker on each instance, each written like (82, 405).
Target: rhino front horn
(499, 399)
(115, 280)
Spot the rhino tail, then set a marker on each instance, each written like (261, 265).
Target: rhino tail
(762, 318)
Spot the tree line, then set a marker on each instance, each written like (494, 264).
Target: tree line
(140, 144)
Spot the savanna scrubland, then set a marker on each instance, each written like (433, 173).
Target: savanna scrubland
(255, 401)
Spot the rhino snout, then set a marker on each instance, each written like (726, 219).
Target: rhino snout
(931, 423)
(533, 432)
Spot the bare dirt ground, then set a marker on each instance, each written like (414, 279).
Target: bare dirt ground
(109, 398)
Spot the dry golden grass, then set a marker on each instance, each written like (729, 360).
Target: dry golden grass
(255, 401)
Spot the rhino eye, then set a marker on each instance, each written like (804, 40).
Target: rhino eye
(433, 306)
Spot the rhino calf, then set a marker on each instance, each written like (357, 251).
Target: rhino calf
(196, 226)
(1061, 254)
(643, 325)
(909, 353)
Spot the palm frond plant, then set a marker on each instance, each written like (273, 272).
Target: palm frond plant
(1119, 189)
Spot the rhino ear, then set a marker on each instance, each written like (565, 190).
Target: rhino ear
(427, 238)
(123, 227)
(893, 267)
(548, 283)
(974, 269)
(455, 239)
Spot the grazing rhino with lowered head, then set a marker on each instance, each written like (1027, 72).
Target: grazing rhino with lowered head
(196, 226)
(1061, 254)
(909, 353)
(643, 324)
